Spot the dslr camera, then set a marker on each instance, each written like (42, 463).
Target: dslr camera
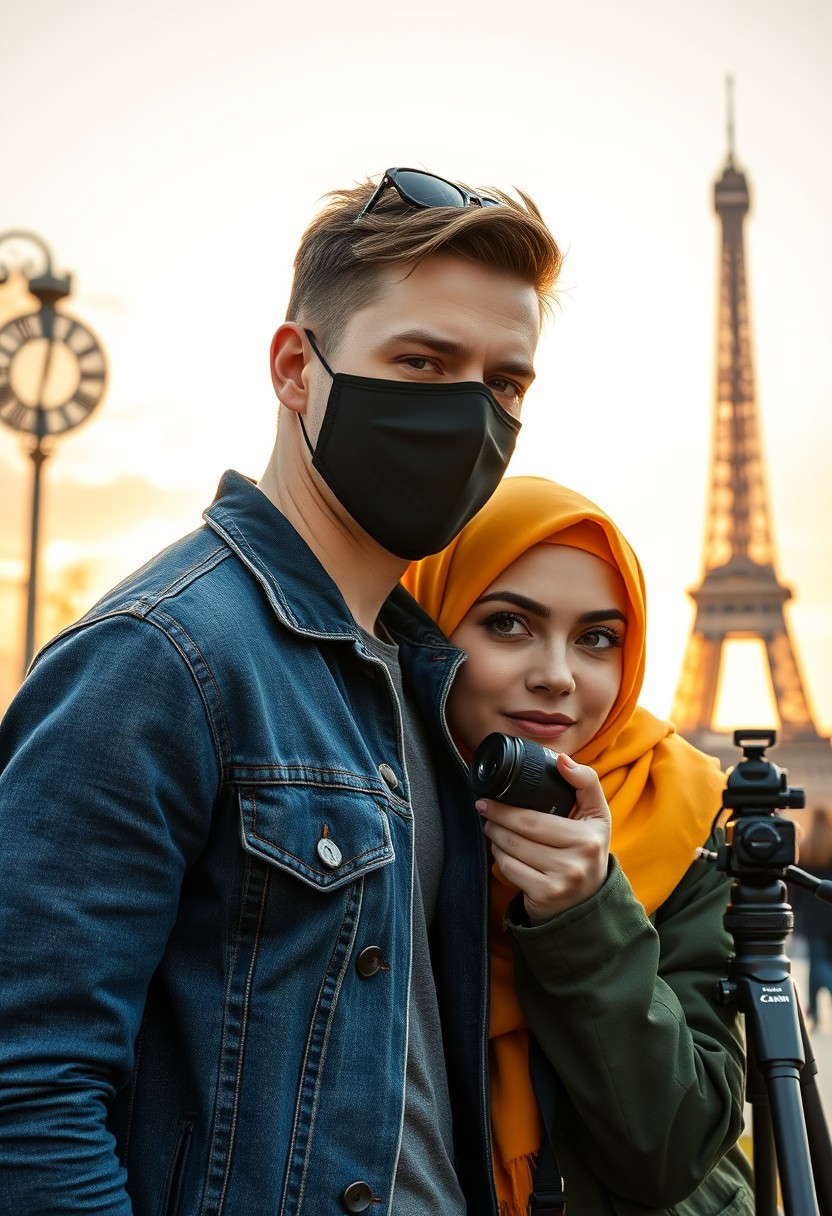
(756, 837)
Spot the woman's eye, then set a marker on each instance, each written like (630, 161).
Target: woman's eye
(506, 625)
(601, 639)
(419, 363)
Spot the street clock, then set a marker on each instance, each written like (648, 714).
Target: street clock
(53, 373)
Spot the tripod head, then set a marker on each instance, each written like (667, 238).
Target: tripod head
(758, 840)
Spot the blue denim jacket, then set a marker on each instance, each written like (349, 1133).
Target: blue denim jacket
(205, 824)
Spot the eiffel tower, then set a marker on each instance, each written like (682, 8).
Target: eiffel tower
(740, 595)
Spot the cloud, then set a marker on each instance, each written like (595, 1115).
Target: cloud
(92, 516)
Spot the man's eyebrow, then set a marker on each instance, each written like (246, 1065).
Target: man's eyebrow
(426, 337)
(448, 346)
(541, 610)
(517, 367)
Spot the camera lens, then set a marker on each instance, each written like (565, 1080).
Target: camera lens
(494, 765)
(521, 773)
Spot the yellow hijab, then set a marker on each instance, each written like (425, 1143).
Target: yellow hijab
(663, 793)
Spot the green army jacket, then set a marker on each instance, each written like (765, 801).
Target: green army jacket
(651, 1068)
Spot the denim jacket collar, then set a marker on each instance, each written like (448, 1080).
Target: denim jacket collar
(298, 587)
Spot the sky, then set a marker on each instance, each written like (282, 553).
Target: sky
(170, 154)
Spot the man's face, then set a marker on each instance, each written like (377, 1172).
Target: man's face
(449, 320)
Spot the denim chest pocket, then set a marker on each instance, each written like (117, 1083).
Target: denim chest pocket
(326, 837)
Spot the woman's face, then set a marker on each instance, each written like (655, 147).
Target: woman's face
(544, 645)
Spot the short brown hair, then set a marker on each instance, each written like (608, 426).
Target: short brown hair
(338, 261)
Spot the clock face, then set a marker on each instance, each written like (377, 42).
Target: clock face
(52, 373)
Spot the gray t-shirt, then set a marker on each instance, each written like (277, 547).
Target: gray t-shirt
(426, 1182)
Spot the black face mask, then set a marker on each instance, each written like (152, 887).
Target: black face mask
(412, 463)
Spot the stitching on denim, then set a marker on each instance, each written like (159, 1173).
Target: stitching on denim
(141, 605)
(208, 712)
(176, 628)
(296, 775)
(211, 559)
(231, 527)
(352, 909)
(172, 1185)
(241, 1049)
(373, 789)
(328, 1032)
(237, 541)
(128, 612)
(224, 1032)
(224, 1036)
(134, 1082)
(300, 860)
(300, 769)
(244, 550)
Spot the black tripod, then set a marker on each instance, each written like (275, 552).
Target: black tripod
(790, 1135)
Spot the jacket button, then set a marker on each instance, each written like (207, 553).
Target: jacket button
(370, 961)
(357, 1197)
(388, 776)
(329, 852)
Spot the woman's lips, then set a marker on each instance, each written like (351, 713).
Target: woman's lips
(543, 726)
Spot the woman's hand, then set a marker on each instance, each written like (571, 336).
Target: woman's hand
(557, 863)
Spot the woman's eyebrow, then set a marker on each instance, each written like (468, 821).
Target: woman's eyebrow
(519, 601)
(602, 614)
(541, 610)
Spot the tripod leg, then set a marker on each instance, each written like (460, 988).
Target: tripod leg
(793, 1160)
(759, 919)
(816, 1125)
(765, 1174)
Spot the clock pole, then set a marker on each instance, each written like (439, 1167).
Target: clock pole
(38, 456)
(48, 289)
(32, 398)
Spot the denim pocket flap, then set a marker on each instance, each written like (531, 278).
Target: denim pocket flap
(326, 837)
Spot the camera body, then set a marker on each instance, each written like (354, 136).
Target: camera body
(757, 838)
(521, 773)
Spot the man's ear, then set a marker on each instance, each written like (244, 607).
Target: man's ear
(288, 356)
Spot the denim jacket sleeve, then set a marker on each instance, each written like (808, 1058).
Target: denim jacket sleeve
(651, 1067)
(108, 773)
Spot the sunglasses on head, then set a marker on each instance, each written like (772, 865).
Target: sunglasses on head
(421, 189)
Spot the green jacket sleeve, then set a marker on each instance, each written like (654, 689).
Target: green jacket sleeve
(651, 1067)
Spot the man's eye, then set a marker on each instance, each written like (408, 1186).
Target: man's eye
(419, 363)
(507, 388)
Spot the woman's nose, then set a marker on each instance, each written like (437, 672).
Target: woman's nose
(552, 671)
